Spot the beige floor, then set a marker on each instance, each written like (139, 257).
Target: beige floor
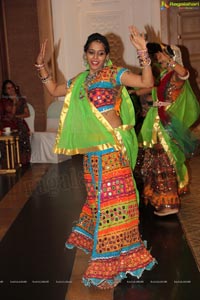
(190, 211)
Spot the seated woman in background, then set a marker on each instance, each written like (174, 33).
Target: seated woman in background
(13, 111)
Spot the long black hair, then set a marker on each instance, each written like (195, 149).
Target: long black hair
(154, 48)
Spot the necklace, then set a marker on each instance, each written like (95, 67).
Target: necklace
(87, 83)
(90, 79)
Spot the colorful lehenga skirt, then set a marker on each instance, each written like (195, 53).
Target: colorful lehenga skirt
(157, 179)
(108, 224)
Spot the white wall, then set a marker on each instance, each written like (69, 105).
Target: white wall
(74, 20)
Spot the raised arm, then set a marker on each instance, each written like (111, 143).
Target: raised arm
(146, 78)
(170, 64)
(52, 87)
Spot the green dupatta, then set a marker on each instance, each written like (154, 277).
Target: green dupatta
(186, 110)
(82, 128)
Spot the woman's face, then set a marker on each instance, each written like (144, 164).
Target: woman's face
(10, 89)
(162, 59)
(96, 56)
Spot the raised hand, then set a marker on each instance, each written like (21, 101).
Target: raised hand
(41, 56)
(137, 39)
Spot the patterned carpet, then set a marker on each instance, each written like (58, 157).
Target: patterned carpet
(189, 215)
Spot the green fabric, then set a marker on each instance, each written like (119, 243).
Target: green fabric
(177, 154)
(145, 134)
(186, 110)
(81, 131)
(127, 114)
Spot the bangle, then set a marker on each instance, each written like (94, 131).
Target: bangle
(46, 79)
(185, 77)
(171, 64)
(144, 58)
(142, 50)
(39, 66)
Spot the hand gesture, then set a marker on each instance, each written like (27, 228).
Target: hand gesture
(137, 39)
(41, 55)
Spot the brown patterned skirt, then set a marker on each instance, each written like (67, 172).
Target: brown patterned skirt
(157, 179)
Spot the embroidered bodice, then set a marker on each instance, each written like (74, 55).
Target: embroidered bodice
(170, 87)
(104, 87)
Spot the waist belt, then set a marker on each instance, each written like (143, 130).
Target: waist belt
(161, 103)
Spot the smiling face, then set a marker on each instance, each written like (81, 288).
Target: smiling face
(96, 56)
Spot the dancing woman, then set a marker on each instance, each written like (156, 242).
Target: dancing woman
(165, 140)
(97, 120)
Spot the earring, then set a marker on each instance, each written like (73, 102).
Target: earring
(85, 62)
(106, 61)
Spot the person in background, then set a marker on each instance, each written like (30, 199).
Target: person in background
(13, 111)
(165, 140)
(97, 121)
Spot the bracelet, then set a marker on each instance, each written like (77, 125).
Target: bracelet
(144, 58)
(171, 64)
(145, 63)
(43, 79)
(142, 50)
(46, 79)
(185, 77)
(39, 67)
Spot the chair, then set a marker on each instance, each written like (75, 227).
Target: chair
(31, 119)
(53, 115)
(42, 143)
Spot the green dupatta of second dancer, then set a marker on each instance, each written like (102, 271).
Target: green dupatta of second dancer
(184, 112)
(82, 128)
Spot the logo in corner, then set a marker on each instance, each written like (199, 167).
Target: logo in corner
(164, 5)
